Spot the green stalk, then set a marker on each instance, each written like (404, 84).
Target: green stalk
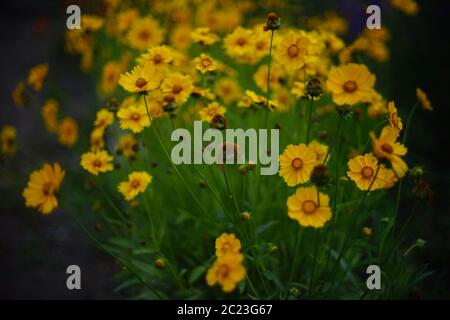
(316, 246)
(408, 122)
(268, 79)
(309, 121)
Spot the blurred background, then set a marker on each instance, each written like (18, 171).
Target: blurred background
(35, 250)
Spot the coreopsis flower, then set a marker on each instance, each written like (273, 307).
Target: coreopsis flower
(160, 57)
(292, 51)
(228, 90)
(211, 110)
(298, 89)
(97, 162)
(239, 43)
(68, 132)
(422, 96)
(180, 37)
(350, 84)
(103, 119)
(8, 136)
(110, 76)
(296, 164)
(144, 33)
(409, 7)
(227, 271)
(49, 114)
(204, 63)
(124, 19)
(309, 207)
(362, 170)
(97, 140)
(140, 79)
(377, 105)
(91, 23)
(134, 118)
(204, 36)
(394, 120)
(386, 147)
(42, 186)
(389, 176)
(127, 146)
(20, 95)
(275, 80)
(227, 244)
(137, 183)
(179, 86)
(320, 150)
(37, 75)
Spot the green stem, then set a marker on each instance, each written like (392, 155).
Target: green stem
(335, 140)
(268, 79)
(309, 121)
(408, 122)
(316, 246)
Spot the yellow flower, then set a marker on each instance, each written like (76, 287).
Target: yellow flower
(159, 57)
(104, 118)
(140, 79)
(390, 178)
(204, 63)
(110, 76)
(144, 33)
(227, 271)
(42, 186)
(409, 7)
(320, 150)
(362, 170)
(292, 51)
(387, 147)
(127, 146)
(276, 77)
(239, 43)
(180, 37)
(298, 89)
(394, 120)
(8, 140)
(227, 244)
(37, 75)
(49, 113)
(209, 112)
(367, 231)
(350, 84)
(19, 95)
(178, 86)
(422, 96)
(91, 22)
(228, 90)
(96, 139)
(296, 164)
(377, 106)
(204, 36)
(68, 132)
(134, 118)
(125, 19)
(96, 162)
(137, 183)
(309, 207)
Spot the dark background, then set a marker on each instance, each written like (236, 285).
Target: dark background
(35, 250)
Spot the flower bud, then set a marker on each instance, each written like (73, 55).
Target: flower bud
(273, 22)
(313, 88)
(319, 175)
(245, 216)
(218, 122)
(159, 263)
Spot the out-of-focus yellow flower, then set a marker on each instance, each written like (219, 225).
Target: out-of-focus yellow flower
(292, 51)
(96, 162)
(309, 207)
(227, 271)
(127, 146)
(320, 150)
(42, 187)
(394, 120)
(227, 244)
(124, 19)
(103, 119)
(276, 77)
(210, 111)
(37, 75)
(160, 57)
(91, 23)
(228, 90)
(49, 114)
(298, 89)
(281, 99)
(239, 43)
(144, 33)
(137, 183)
(422, 96)
(134, 118)
(409, 7)
(8, 140)
(204, 63)
(377, 105)
(350, 84)
(367, 231)
(178, 86)
(97, 140)
(296, 164)
(180, 37)
(19, 95)
(362, 170)
(110, 76)
(140, 79)
(204, 36)
(387, 147)
(68, 132)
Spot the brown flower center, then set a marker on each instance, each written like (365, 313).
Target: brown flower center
(386, 147)
(350, 86)
(206, 63)
(46, 188)
(97, 163)
(241, 42)
(223, 271)
(140, 82)
(135, 117)
(144, 35)
(135, 184)
(157, 59)
(293, 50)
(297, 163)
(367, 172)
(177, 89)
(309, 206)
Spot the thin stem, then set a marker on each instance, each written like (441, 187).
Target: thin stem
(408, 122)
(335, 140)
(298, 241)
(309, 121)
(316, 246)
(268, 78)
